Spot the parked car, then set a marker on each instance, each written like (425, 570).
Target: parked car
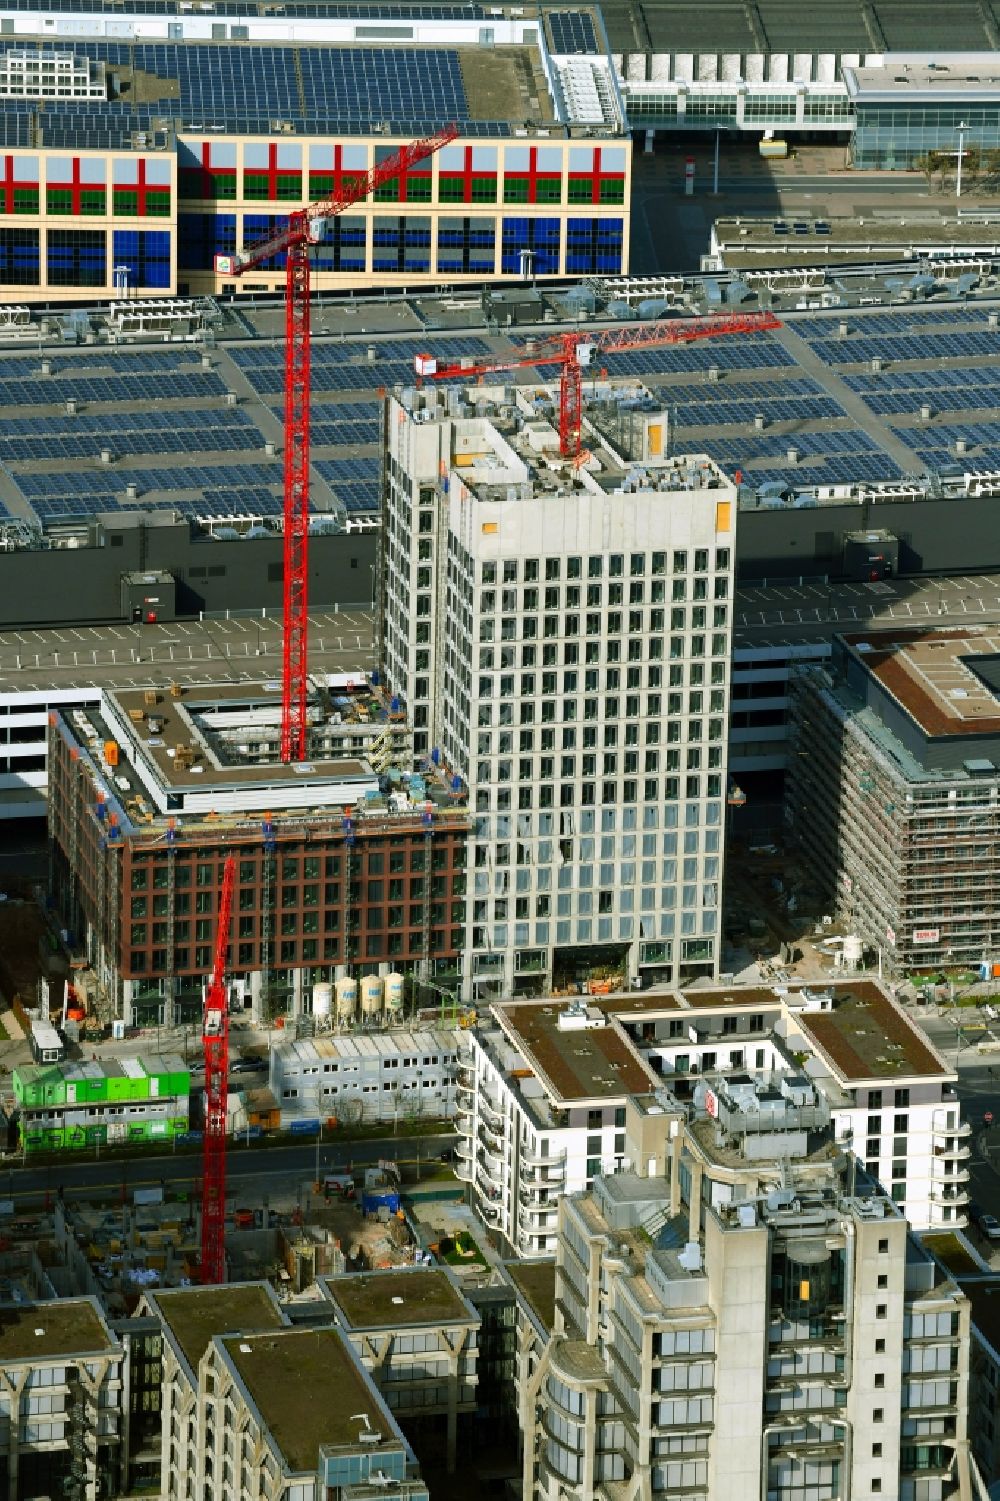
(247, 1066)
(990, 1226)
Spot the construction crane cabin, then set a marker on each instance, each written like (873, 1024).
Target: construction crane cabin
(307, 227)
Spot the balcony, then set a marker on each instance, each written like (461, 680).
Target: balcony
(946, 1193)
(939, 1177)
(960, 1151)
(532, 1206)
(464, 1171)
(493, 1141)
(489, 1108)
(487, 1183)
(465, 1148)
(465, 1094)
(533, 1161)
(494, 1155)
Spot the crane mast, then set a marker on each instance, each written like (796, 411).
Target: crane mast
(215, 1043)
(574, 351)
(307, 227)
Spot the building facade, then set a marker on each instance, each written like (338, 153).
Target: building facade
(203, 137)
(69, 1107)
(893, 794)
(62, 1377)
(235, 1424)
(332, 874)
(543, 1090)
(417, 1335)
(561, 633)
(781, 1337)
(907, 108)
(540, 1111)
(363, 1077)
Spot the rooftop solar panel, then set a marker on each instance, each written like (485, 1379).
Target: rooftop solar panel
(571, 31)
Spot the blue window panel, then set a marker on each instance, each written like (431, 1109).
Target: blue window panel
(77, 257)
(540, 236)
(201, 237)
(344, 246)
(262, 227)
(594, 245)
(20, 263)
(146, 252)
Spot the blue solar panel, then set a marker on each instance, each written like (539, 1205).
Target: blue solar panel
(571, 31)
(916, 346)
(775, 408)
(248, 86)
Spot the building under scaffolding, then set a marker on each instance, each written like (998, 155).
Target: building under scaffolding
(894, 791)
(347, 865)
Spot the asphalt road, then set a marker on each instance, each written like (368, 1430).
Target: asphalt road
(82, 1178)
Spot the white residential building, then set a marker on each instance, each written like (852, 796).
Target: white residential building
(540, 1111)
(542, 1090)
(62, 1408)
(257, 1410)
(783, 1338)
(561, 632)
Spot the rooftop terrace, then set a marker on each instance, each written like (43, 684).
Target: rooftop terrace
(867, 1037)
(577, 1063)
(947, 681)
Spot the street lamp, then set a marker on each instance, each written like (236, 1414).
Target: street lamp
(962, 128)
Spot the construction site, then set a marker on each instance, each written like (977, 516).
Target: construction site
(348, 860)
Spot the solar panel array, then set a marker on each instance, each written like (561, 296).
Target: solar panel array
(81, 437)
(572, 31)
(339, 368)
(923, 347)
(355, 482)
(246, 87)
(775, 408)
(915, 319)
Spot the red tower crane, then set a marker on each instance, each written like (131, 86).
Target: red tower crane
(307, 226)
(215, 1042)
(573, 351)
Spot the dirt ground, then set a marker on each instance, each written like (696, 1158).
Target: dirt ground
(22, 925)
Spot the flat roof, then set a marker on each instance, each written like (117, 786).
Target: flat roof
(932, 675)
(969, 76)
(578, 1063)
(537, 1281)
(867, 1036)
(65, 1326)
(984, 1295)
(194, 653)
(308, 1390)
(177, 733)
(314, 88)
(196, 1315)
(421, 1295)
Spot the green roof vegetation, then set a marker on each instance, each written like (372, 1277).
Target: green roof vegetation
(417, 1296)
(309, 1392)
